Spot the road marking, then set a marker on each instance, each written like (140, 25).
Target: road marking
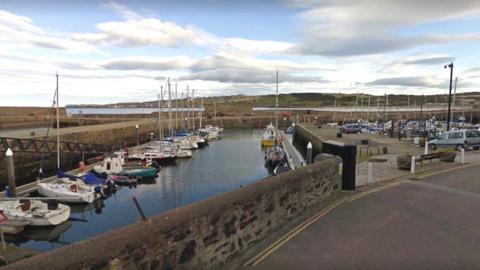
(295, 231)
(444, 171)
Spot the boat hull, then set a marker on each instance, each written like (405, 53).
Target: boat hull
(40, 216)
(64, 195)
(141, 172)
(266, 143)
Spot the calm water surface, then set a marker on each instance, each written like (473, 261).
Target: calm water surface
(221, 166)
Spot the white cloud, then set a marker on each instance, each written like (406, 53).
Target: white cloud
(20, 30)
(137, 30)
(356, 27)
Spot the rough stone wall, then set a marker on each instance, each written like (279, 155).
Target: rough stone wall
(301, 138)
(203, 235)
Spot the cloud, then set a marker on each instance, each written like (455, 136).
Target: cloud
(236, 75)
(18, 30)
(359, 27)
(245, 61)
(137, 30)
(415, 62)
(433, 60)
(419, 81)
(149, 63)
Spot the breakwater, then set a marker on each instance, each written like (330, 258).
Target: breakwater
(202, 235)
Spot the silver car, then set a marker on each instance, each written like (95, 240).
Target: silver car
(459, 139)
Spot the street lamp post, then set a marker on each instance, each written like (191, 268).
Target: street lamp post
(449, 94)
(138, 135)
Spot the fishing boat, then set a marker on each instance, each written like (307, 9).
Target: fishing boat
(35, 212)
(268, 137)
(68, 191)
(113, 166)
(274, 156)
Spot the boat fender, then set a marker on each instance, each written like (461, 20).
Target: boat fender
(73, 188)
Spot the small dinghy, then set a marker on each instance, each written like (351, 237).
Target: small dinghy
(68, 191)
(35, 212)
(124, 180)
(114, 166)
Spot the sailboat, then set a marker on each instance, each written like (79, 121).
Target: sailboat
(276, 154)
(64, 189)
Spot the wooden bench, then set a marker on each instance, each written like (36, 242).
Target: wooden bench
(405, 162)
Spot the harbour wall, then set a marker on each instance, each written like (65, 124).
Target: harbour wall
(302, 137)
(203, 235)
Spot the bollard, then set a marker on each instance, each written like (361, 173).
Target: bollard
(426, 147)
(412, 168)
(309, 153)
(11, 172)
(370, 173)
(462, 156)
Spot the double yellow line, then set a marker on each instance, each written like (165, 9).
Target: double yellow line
(285, 238)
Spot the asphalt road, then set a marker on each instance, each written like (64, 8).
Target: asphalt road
(433, 223)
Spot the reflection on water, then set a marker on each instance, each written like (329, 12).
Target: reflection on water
(221, 166)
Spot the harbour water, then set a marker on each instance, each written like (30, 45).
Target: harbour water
(223, 165)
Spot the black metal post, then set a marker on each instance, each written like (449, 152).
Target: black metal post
(449, 95)
(421, 111)
(137, 205)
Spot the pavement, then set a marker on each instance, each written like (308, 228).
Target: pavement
(428, 223)
(42, 132)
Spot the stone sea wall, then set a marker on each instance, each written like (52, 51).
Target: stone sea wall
(203, 235)
(301, 138)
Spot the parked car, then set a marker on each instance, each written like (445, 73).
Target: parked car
(350, 128)
(459, 139)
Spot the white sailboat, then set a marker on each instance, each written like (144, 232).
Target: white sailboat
(66, 190)
(35, 212)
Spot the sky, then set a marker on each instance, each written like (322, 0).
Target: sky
(124, 51)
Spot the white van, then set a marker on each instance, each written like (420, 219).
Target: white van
(459, 139)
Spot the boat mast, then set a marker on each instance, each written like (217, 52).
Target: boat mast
(193, 109)
(160, 132)
(188, 107)
(276, 105)
(181, 114)
(201, 113)
(176, 108)
(276, 114)
(170, 124)
(58, 125)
